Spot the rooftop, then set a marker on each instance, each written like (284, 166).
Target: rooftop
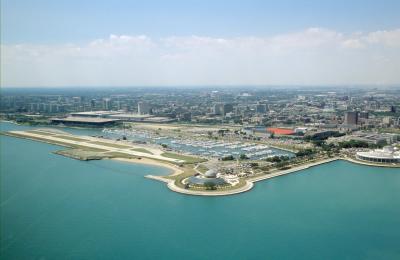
(84, 119)
(385, 153)
(94, 113)
(280, 131)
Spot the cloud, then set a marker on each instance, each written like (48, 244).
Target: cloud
(388, 38)
(353, 44)
(312, 56)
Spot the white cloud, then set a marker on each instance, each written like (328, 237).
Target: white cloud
(388, 38)
(353, 44)
(312, 56)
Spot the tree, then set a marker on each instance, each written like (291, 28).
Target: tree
(353, 144)
(254, 164)
(328, 147)
(305, 152)
(227, 158)
(274, 159)
(210, 185)
(243, 157)
(282, 164)
(318, 142)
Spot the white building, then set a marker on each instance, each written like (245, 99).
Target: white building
(386, 155)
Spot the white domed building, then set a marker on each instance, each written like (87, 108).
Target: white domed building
(209, 177)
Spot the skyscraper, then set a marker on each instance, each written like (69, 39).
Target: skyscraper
(261, 108)
(144, 108)
(107, 104)
(218, 109)
(351, 118)
(227, 108)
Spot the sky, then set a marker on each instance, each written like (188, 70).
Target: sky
(197, 43)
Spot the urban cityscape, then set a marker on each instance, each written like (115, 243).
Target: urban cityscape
(201, 130)
(222, 140)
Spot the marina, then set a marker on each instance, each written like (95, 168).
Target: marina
(203, 148)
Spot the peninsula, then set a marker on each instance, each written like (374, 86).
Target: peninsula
(190, 174)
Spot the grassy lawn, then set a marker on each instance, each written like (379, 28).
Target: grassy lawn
(120, 155)
(187, 172)
(90, 149)
(120, 146)
(202, 168)
(142, 150)
(187, 159)
(81, 154)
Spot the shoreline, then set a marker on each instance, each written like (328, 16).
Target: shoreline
(249, 182)
(171, 185)
(366, 163)
(175, 170)
(292, 170)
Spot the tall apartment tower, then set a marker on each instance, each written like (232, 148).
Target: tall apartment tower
(351, 118)
(261, 108)
(227, 108)
(107, 104)
(218, 109)
(144, 108)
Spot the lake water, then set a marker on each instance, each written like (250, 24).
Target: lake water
(54, 207)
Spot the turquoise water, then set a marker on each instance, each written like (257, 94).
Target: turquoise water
(54, 207)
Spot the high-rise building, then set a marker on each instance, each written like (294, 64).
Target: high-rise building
(227, 108)
(364, 115)
(218, 109)
(119, 105)
(351, 118)
(144, 108)
(53, 108)
(92, 104)
(107, 104)
(261, 108)
(387, 120)
(186, 116)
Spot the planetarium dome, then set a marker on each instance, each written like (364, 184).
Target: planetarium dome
(212, 173)
(210, 177)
